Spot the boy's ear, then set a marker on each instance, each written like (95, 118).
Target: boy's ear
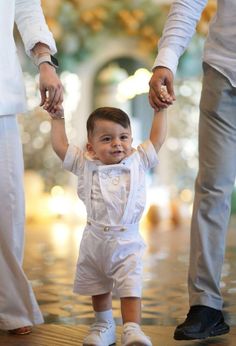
(89, 148)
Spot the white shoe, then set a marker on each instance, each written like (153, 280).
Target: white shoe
(134, 336)
(101, 334)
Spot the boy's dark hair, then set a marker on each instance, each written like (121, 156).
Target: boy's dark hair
(107, 113)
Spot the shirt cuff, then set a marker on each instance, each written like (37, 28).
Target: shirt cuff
(39, 35)
(167, 58)
(30, 45)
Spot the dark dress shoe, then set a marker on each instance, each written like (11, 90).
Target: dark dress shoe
(201, 322)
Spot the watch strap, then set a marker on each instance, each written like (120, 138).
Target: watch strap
(44, 59)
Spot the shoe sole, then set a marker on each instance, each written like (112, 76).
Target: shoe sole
(19, 332)
(95, 344)
(216, 330)
(136, 344)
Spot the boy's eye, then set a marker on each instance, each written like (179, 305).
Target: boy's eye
(106, 139)
(124, 137)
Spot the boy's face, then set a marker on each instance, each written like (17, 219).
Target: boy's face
(110, 142)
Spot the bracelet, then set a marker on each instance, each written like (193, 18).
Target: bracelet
(58, 118)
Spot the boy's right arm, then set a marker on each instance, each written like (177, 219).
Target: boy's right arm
(58, 137)
(159, 124)
(158, 129)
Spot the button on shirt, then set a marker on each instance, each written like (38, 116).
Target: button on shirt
(220, 45)
(107, 190)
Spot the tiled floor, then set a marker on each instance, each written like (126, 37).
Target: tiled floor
(50, 258)
(67, 335)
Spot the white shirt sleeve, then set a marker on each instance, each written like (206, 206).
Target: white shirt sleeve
(148, 155)
(32, 26)
(178, 31)
(74, 160)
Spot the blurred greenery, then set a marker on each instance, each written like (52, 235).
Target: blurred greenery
(80, 30)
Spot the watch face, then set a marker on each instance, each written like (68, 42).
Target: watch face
(54, 61)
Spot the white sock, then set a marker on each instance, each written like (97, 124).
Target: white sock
(103, 316)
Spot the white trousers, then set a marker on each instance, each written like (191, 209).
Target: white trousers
(18, 306)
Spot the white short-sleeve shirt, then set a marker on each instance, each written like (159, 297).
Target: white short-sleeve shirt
(113, 194)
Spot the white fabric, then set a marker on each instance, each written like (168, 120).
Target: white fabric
(29, 18)
(133, 335)
(111, 247)
(101, 334)
(18, 306)
(110, 259)
(220, 45)
(111, 192)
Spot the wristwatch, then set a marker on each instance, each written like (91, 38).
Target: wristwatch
(50, 59)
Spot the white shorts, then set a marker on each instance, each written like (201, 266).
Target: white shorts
(110, 258)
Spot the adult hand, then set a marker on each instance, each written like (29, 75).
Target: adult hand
(50, 88)
(162, 76)
(58, 113)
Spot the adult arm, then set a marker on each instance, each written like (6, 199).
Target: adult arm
(178, 31)
(38, 40)
(49, 83)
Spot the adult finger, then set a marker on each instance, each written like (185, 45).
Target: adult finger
(56, 97)
(155, 101)
(50, 99)
(43, 93)
(170, 89)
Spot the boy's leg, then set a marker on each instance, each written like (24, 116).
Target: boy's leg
(102, 302)
(102, 332)
(131, 315)
(131, 309)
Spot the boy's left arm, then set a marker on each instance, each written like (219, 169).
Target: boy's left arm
(159, 129)
(59, 139)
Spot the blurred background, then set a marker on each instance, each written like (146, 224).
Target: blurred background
(106, 50)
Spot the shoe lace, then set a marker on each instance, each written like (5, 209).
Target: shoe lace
(100, 327)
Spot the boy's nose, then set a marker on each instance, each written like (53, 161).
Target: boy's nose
(116, 142)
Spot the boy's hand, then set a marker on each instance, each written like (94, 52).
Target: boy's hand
(165, 96)
(162, 76)
(58, 112)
